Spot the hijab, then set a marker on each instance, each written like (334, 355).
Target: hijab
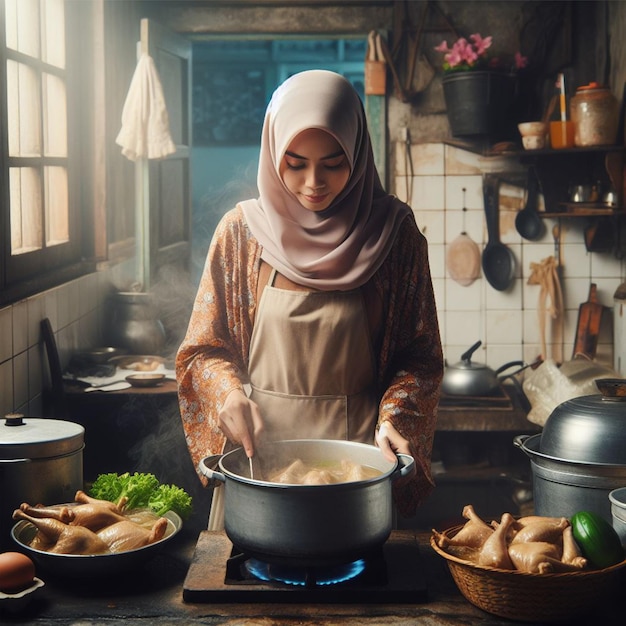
(341, 247)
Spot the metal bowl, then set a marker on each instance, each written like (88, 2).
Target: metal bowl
(589, 429)
(91, 565)
(101, 354)
(145, 379)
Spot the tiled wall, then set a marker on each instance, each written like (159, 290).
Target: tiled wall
(75, 310)
(507, 322)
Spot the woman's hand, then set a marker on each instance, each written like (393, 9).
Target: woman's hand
(390, 441)
(240, 420)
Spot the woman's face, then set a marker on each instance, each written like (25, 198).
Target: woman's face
(315, 169)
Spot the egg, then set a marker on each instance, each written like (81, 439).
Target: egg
(17, 572)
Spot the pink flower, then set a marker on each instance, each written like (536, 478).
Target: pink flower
(520, 61)
(481, 45)
(474, 54)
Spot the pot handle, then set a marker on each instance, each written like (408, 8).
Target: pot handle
(207, 468)
(467, 355)
(506, 366)
(7, 461)
(406, 466)
(519, 441)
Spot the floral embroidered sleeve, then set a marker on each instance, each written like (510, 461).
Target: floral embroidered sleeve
(411, 357)
(212, 359)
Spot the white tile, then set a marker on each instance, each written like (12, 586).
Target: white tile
(74, 300)
(431, 224)
(35, 370)
(20, 379)
(576, 260)
(473, 196)
(460, 298)
(497, 356)
(6, 333)
(463, 328)
(35, 315)
(63, 304)
(400, 190)
(20, 327)
(428, 159)
(50, 307)
(605, 266)
(6, 387)
(436, 260)
(504, 327)
(428, 193)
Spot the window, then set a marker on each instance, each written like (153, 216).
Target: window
(37, 203)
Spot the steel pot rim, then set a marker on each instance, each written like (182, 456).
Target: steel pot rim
(522, 441)
(403, 466)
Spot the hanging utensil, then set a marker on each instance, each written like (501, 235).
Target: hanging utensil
(588, 326)
(497, 260)
(527, 222)
(463, 256)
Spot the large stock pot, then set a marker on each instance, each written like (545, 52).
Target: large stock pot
(580, 456)
(307, 524)
(41, 462)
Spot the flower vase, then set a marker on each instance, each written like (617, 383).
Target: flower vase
(480, 104)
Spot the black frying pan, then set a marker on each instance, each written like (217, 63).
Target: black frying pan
(497, 260)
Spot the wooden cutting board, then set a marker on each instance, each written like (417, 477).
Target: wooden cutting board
(588, 326)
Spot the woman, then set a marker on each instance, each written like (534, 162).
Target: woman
(318, 296)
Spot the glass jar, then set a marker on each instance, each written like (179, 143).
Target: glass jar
(594, 110)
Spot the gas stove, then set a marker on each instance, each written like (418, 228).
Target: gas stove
(220, 573)
(499, 399)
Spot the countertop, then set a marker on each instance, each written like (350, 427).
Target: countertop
(153, 595)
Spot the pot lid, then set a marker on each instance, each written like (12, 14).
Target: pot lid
(589, 428)
(38, 438)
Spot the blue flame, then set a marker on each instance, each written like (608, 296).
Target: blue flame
(331, 575)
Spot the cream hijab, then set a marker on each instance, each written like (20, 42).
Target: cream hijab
(341, 247)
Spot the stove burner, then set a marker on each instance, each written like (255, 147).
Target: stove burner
(392, 573)
(305, 576)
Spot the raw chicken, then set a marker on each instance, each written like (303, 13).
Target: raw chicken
(494, 552)
(64, 538)
(548, 530)
(541, 557)
(93, 514)
(127, 535)
(473, 534)
(571, 551)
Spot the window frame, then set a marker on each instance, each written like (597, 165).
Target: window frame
(31, 272)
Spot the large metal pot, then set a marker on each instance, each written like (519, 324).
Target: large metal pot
(41, 461)
(467, 378)
(581, 454)
(307, 524)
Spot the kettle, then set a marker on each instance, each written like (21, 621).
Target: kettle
(467, 378)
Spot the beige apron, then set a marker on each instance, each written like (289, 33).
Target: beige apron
(327, 395)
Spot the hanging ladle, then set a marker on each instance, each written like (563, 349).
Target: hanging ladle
(527, 222)
(497, 260)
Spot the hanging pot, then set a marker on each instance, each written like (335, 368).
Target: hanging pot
(580, 456)
(41, 461)
(467, 378)
(480, 103)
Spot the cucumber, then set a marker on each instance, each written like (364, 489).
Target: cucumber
(597, 539)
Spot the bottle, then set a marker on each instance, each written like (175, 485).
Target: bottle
(595, 112)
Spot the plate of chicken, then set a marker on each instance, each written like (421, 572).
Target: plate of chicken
(91, 537)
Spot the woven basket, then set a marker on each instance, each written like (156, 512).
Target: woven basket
(530, 597)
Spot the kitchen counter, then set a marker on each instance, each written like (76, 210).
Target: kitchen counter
(153, 595)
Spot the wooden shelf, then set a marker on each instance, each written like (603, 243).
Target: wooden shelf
(583, 210)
